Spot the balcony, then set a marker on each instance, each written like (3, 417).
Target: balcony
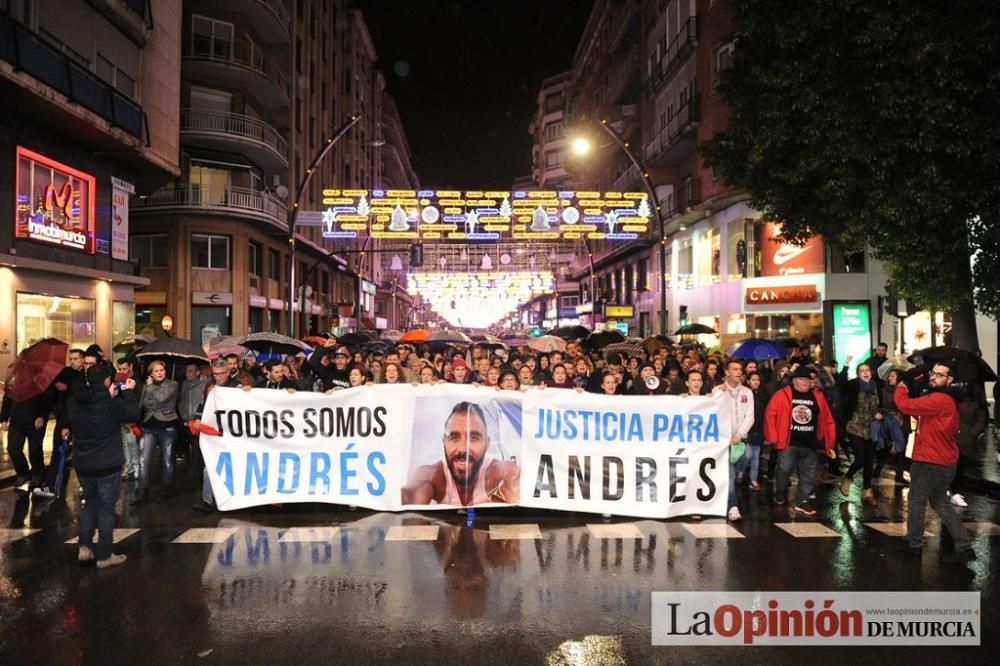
(683, 201)
(269, 19)
(623, 85)
(228, 201)
(680, 50)
(252, 138)
(677, 141)
(29, 54)
(237, 64)
(629, 181)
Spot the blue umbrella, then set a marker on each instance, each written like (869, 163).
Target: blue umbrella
(758, 349)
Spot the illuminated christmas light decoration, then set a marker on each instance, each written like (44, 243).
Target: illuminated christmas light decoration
(477, 300)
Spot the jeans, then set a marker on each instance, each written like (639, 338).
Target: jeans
(131, 446)
(802, 461)
(864, 452)
(751, 459)
(150, 438)
(930, 482)
(207, 496)
(15, 448)
(732, 482)
(101, 493)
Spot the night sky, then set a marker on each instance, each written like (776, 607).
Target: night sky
(465, 77)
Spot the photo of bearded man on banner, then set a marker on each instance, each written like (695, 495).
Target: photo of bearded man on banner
(463, 463)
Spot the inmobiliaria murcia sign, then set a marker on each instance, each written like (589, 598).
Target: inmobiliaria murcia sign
(55, 203)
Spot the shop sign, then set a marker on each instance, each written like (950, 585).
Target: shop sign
(777, 258)
(120, 191)
(623, 311)
(55, 203)
(792, 293)
(258, 301)
(211, 298)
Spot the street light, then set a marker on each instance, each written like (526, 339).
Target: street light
(582, 146)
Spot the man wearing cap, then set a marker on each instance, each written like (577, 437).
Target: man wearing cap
(335, 374)
(798, 421)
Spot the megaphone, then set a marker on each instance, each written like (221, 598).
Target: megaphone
(652, 382)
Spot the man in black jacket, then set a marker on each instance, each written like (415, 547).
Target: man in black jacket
(97, 411)
(337, 374)
(26, 421)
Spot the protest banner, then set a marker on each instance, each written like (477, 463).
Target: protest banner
(398, 447)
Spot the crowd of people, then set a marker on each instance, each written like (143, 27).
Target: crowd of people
(817, 421)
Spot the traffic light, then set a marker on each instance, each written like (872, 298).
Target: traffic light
(416, 255)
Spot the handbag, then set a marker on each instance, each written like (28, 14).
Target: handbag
(737, 450)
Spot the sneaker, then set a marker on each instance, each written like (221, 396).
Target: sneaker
(85, 554)
(959, 556)
(734, 514)
(805, 508)
(754, 485)
(43, 491)
(958, 500)
(114, 560)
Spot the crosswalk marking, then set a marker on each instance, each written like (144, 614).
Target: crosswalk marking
(205, 535)
(412, 533)
(614, 531)
(713, 531)
(309, 534)
(10, 535)
(530, 531)
(808, 530)
(893, 529)
(118, 535)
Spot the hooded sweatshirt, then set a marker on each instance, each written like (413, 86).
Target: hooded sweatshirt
(96, 419)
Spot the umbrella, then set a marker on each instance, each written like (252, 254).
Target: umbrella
(627, 348)
(173, 349)
(133, 342)
(969, 367)
(315, 339)
(655, 343)
(695, 329)
(602, 339)
(356, 339)
(274, 343)
(758, 349)
(515, 338)
(448, 335)
(392, 335)
(788, 341)
(416, 335)
(224, 345)
(35, 368)
(884, 369)
(547, 343)
(570, 332)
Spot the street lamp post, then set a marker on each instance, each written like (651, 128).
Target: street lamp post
(581, 146)
(294, 213)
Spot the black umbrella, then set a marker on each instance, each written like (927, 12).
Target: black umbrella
(274, 343)
(656, 342)
(969, 367)
(788, 342)
(175, 350)
(570, 332)
(602, 339)
(353, 340)
(695, 329)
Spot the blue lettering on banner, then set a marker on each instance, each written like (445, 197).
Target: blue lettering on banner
(287, 485)
(352, 473)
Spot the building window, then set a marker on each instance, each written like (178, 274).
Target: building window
(569, 301)
(71, 320)
(554, 103)
(553, 131)
(121, 81)
(273, 265)
(56, 43)
(211, 38)
(149, 251)
(722, 60)
(255, 259)
(554, 159)
(122, 322)
(210, 252)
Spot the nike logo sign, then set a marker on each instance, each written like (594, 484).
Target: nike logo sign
(786, 253)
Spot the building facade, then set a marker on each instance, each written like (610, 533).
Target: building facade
(89, 96)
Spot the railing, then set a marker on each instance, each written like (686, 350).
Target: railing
(234, 124)
(685, 118)
(687, 195)
(28, 53)
(629, 181)
(682, 46)
(221, 199)
(240, 52)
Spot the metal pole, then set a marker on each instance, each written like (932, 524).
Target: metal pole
(294, 213)
(651, 191)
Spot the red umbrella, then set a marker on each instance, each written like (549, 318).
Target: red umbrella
(416, 335)
(35, 369)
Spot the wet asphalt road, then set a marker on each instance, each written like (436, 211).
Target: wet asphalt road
(336, 589)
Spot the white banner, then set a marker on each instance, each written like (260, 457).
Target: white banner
(120, 191)
(402, 447)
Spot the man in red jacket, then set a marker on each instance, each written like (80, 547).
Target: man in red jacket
(935, 455)
(798, 422)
